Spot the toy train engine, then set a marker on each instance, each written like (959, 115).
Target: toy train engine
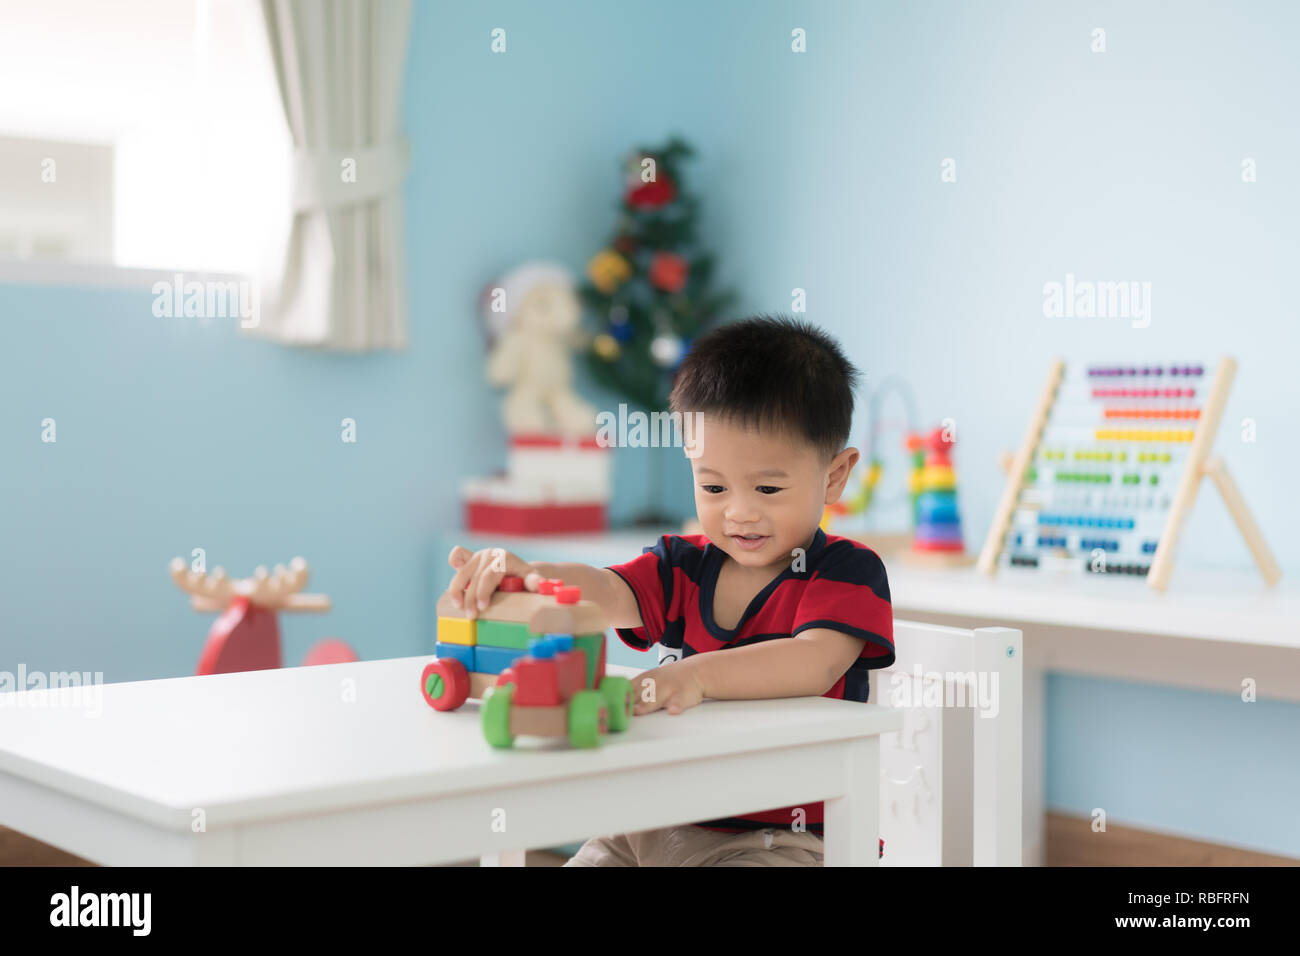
(537, 662)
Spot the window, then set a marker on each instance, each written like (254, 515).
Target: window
(145, 133)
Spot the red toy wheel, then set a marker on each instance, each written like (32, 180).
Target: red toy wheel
(445, 684)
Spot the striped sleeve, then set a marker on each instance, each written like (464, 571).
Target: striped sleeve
(849, 592)
(650, 577)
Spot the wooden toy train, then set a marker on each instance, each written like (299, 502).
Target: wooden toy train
(537, 662)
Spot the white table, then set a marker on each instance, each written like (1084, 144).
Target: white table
(1208, 631)
(1211, 628)
(346, 764)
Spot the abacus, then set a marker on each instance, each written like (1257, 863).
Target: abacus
(1109, 469)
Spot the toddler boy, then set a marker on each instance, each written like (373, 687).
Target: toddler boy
(803, 613)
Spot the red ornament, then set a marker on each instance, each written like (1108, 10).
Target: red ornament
(652, 195)
(668, 271)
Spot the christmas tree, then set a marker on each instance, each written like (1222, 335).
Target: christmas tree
(649, 287)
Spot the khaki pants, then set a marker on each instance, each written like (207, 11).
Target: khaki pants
(694, 846)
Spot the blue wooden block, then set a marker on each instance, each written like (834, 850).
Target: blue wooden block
(462, 652)
(563, 642)
(493, 660)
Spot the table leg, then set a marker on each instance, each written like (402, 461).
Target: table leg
(1033, 759)
(852, 821)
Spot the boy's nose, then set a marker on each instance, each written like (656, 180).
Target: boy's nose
(741, 513)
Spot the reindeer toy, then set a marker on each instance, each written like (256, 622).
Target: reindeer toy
(246, 637)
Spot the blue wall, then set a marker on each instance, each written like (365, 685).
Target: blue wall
(1176, 761)
(819, 171)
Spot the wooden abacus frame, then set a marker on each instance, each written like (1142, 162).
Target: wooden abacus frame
(1199, 465)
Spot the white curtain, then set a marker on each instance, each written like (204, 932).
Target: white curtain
(340, 282)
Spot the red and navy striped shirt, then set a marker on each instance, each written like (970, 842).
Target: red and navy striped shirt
(841, 586)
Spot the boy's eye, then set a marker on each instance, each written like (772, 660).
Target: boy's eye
(768, 489)
(713, 489)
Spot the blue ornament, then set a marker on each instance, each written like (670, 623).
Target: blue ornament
(619, 326)
(686, 350)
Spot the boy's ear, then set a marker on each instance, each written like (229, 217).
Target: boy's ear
(841, 467)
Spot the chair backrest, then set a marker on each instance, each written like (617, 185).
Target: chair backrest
(951, 779)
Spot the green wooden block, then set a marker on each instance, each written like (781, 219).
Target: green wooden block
(591, 644)
(504, 634)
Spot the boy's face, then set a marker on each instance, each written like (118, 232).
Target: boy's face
(760, 495)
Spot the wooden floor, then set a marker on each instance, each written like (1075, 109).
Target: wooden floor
(1070, 842)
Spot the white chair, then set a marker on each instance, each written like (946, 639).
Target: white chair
(951, 779)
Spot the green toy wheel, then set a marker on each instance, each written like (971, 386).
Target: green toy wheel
(496, 715)
(617, 692)
(588, 718)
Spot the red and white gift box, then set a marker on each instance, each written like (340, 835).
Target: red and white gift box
(552, 485)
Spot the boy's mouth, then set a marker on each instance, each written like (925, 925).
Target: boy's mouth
(749, 542)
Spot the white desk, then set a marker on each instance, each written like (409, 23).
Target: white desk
(346, 764)
(1210, 630)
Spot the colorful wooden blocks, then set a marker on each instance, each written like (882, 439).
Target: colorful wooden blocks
(537, 662)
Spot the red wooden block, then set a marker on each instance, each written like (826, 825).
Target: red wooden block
(548, 585)
(537, 682)
(572, 666)
(244, 638)
(511, 582)
(507, 676)
(568, 594)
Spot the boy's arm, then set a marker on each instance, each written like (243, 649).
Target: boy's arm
(806, 665)
(479, 573)
(600, 586)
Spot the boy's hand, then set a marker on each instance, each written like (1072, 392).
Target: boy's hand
(673, 687)
(479, 573)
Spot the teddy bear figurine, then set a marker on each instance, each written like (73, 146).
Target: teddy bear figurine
(532, 315)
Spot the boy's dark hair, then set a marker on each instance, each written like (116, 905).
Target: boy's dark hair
(771, 372)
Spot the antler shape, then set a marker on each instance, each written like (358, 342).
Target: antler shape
(278, 590)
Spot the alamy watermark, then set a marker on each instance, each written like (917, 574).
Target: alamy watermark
(1084, 299)
(127, 910)
(637, 429)
(55, 689)
(924, 688)
(177, 298)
